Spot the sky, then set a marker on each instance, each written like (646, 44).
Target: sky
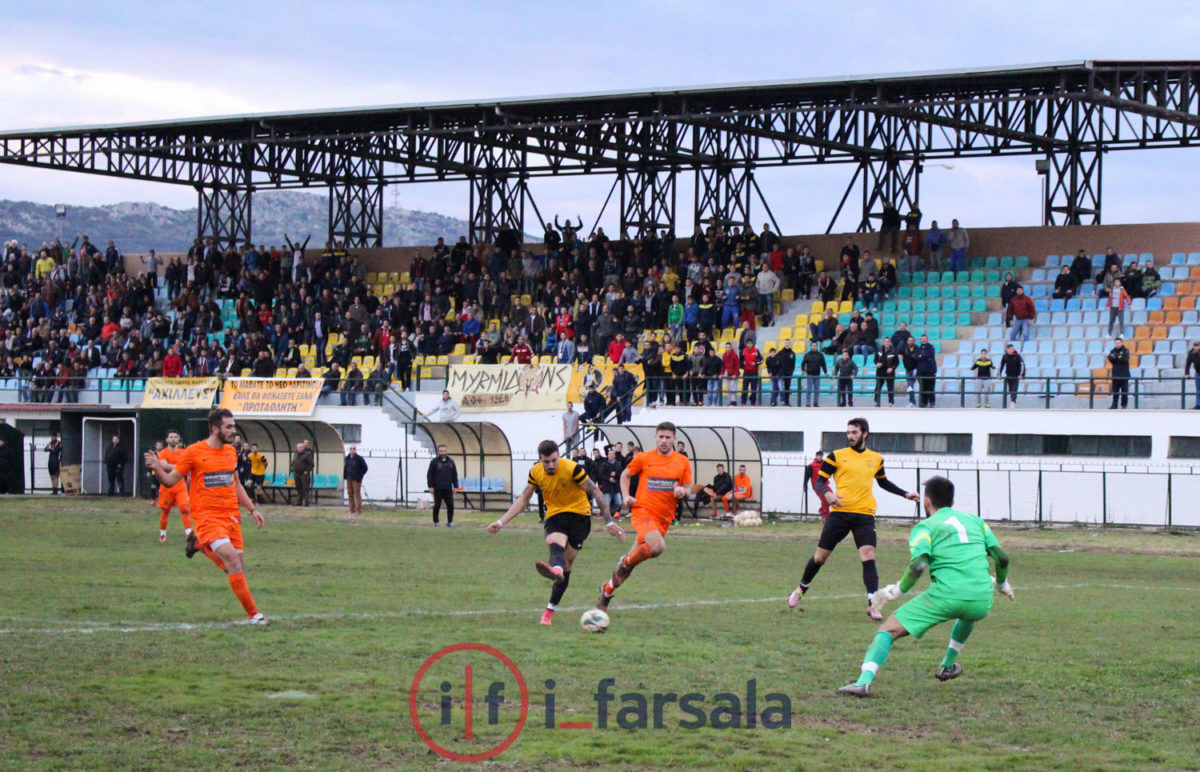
(111, 62)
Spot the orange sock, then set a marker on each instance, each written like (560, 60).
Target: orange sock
(213, 557)
(725, 504)
(187, 520)
(639, 553)
(162, 519)
(237, 582)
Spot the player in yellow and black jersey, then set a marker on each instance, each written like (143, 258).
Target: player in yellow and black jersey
(854, 471)
(565, 489)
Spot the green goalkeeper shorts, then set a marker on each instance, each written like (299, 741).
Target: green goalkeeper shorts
(928, 610)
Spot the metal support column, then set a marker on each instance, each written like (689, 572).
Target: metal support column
(1071, 192)
(647, 200)
(891, 175)
(223, 215)
(356, 205)
(723, 190)
(499, 191)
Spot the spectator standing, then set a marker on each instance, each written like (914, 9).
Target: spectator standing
(54, 463)
(960, 242)
(1191, 367)
(731, 368)
(982, 367)
(570, 420)
(354, 469)
(1118, 301)
(1119, 359)
(115, 459)
(887, 361)
(447, 411)
(303, 464)
(751, 383)
(1012, 367)
(442, 481)
(889, 227)
(814, 470)
(1023, 313)
(935, 240)
(787, 368)
(624, 383)
(927, 371)
(844, 370)
(813, 366)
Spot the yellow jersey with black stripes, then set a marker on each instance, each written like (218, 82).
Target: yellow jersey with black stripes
(562, 491)
(854, 473)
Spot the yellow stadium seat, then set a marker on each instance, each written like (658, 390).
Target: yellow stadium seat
(369, 362)
(394, 277)
(427, 373)
(598, 359)
(526, 300)
(372, 277)
(845, 307)
(820, 265)
(443, 360)
(802, 333)
(788, 295)
(470, 359)
(786, 333)
(506, 359)
(460, 349)
(389, 289)
(405, 278)
(818, 307)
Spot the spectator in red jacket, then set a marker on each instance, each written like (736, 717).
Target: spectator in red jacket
(616, 348)
(1022, 313)
(813, 470)
(731, 368)
(751, 385)
(522, 353)
(172, 364)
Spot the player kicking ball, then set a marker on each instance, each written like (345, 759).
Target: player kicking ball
(954, 547)
(854, 470)
(664, 477)
(565, 490)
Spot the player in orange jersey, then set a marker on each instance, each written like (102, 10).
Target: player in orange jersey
(217, 497)
(173, 497)
(664, 477)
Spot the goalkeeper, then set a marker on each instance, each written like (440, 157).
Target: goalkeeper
(954, 547)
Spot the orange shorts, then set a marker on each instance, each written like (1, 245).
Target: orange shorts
(174, 497)
(214, 529)
(645, 522)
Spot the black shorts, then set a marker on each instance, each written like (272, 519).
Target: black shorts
(840, 524)
(576, 527)
(53, 469)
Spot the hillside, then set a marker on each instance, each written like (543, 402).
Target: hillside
(138, 226)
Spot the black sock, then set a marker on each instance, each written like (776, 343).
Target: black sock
(557, 555)
(870, 576)
(559, 588)
(810, 571)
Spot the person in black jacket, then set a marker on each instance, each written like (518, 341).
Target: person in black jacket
(1192, 367)
(442, 480)
(354, 469)
(115, 459)
(1012, 368)
(786, 369)
(887, 361)
(1119, 359)
(623, 385)
(813, 366)
(722, 484)
(302, 469)
(54, 464)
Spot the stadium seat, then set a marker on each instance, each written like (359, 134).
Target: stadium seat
(1179, 259)
(1053, 261)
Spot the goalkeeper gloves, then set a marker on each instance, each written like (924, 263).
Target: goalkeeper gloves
(1004, 589)
(885, 595)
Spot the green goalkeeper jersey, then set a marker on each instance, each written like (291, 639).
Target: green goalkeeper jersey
(955, 544)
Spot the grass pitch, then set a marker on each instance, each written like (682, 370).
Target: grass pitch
(118, 652)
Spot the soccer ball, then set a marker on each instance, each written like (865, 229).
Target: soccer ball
(747, 517)
(594, 621)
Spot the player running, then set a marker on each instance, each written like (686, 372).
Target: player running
(954, 546)
(565, 488)
(217, 496)
(664, 476)
(176, 496)
(854, 470)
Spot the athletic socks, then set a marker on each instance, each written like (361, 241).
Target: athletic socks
(810, 572)
(958, 637)
(870, 577)
(877, 654)
(556, 592)
(557, 555)
(638, 554)
(237, 583)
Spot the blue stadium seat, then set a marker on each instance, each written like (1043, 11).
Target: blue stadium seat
(1137, 318)
(918, 293)
(995, 319)
(1041, 304)
(1193, 258)
(1190, 317)
(1074, 305)
(991, 262)
(1039, 274)
(1075, 317)
(1039, 291)
(1167, 289)
(1179, 259)
(918, 305)
(470, 483)
(1053, 261)
(1137, 304)
(1154, 304)
(1058, 304)
(1090, 304)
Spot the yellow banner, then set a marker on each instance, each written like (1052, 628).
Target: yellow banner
(179, 393)
(271, 395)
(481, 388)
(582, 378)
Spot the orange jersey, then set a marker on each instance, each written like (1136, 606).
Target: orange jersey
(171, 456)
(214, 480)
(658, 477)
(742, 487)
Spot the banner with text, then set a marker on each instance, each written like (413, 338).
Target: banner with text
(179, 393)
(582, 378)
(271, 395)
(479, 388)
